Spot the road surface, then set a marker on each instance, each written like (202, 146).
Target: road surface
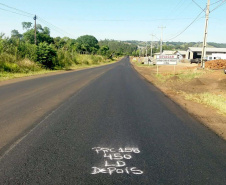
(103, 126)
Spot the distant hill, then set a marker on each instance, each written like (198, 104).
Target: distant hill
(217, 45)
(175, 45)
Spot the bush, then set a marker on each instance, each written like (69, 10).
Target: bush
(9, 67)
(46, 55)
(26, 50)
(23, 66)
(4, 57)
(95, 59)
(65, 59)
(27, 65)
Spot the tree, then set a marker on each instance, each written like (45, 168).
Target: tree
(42, 35)
(119, 48)
(87, 43)
(15, 34)
(134, 53)
(39, 28)
(46, 55)
(26, 25)
(104, 50)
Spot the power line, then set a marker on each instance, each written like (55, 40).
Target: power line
(186, 27)
(198, 5)
(174, 7)
(215, 2)
(23, 15)
(56, 28)
(52, 28)
(180, 9)
(130, 20)
(221, 4)
(15, 12)
(59, 30)
(15, 9)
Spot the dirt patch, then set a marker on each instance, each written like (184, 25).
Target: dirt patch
(187, 79)
(196, 82)
(222, 84)
(216, 64)
(174, 78)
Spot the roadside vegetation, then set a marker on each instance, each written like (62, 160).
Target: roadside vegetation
(184, 78)
(20, 56)
(217, 102)
(180, 76)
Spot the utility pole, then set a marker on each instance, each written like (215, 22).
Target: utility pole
(139, 53)
(151, 43)
(147, 52)
(205, 35)
(35, 17)
(161, 39)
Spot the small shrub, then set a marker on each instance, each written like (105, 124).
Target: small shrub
(4, 57)
(46, 55)
(95, 60)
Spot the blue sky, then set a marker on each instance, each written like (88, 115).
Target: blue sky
(119, 19)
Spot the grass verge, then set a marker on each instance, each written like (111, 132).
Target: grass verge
(85, 61)
(182, 75)
(7, 76)
(209, 99)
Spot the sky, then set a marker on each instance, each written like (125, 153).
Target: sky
(119, 19)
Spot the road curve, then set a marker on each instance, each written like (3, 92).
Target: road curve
(117, 129)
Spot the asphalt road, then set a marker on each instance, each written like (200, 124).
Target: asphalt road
(104, 126)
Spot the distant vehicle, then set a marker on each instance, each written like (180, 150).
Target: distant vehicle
(197, 61)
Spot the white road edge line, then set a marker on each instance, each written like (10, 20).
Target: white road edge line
(38, 124)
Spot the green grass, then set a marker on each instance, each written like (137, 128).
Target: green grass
(189, 75)
(182, 75)
(145, 65)
(28, 68)
(142, 65)
(7, 76)
(215, 101)
(163, 77)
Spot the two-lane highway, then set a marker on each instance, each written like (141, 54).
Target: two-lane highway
(116, 129)
(27, 102)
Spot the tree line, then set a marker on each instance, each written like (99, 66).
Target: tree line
(53, 53)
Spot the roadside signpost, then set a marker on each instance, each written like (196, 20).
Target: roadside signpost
(166, 60)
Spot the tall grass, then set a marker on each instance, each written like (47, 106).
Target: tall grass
(182, 75)
(19, 58)
(90, 59)
(8, 63)
(216, 101)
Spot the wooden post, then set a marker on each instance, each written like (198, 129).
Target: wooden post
(35, 17)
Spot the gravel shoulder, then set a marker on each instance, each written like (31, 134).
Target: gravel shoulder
(202, 93)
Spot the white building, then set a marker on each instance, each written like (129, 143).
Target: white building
(215, 56)
(180, 54)
(196, 52)
(168, 52)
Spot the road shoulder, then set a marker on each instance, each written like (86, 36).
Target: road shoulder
(51, 73)
(172, 88)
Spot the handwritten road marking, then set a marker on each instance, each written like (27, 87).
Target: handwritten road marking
(114, 161)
